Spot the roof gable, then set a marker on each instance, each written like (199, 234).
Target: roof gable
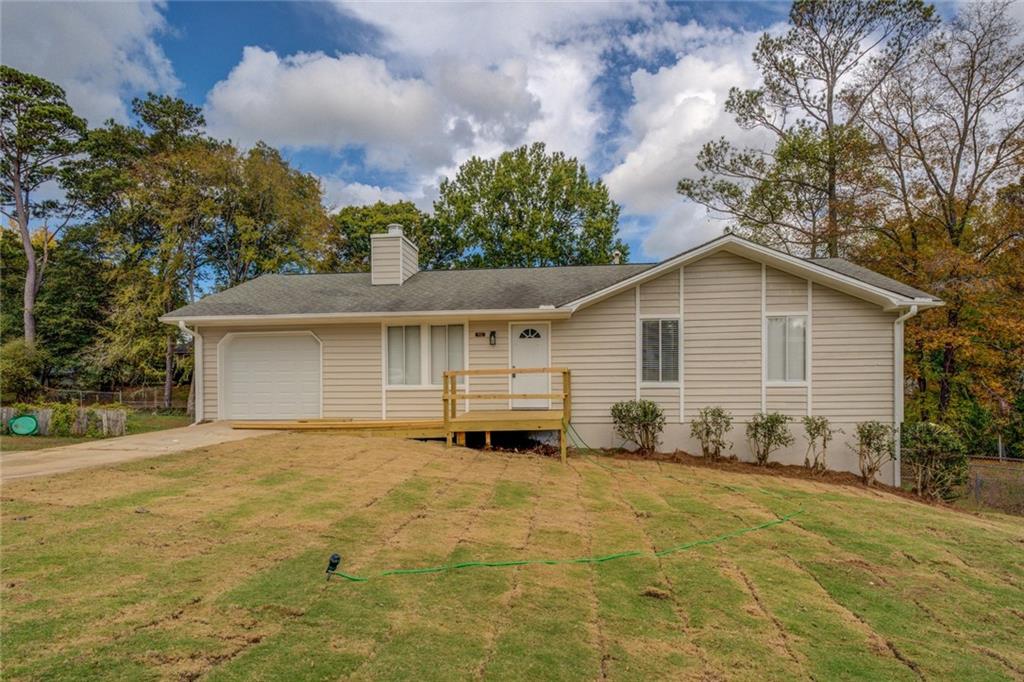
(834, 273)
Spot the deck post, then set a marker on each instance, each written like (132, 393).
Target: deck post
(487, 440)
(446, 380)
(566, 412)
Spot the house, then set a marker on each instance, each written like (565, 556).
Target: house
(729, 323)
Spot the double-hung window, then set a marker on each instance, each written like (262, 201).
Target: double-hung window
(786, 348)
(409, 361)
(404, 356)
(660, 351)
(446, 350)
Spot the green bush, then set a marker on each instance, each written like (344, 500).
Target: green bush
(62, 420)
(640, 422)
(767, 432)
(875, 447)
(20, 365)
(710, 427)
(936, 458)
(819, 434)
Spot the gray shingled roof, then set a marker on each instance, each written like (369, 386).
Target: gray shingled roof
(489, 289)
(845, 267)
(494, 289)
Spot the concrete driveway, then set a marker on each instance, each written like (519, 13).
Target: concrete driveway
(116, 450)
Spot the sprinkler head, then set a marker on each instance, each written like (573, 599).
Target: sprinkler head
(332, 564)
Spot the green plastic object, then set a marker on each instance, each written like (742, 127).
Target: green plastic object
(24, 425)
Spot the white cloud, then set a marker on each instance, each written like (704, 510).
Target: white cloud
(676, 110)
(486, 32)
(338, 193)
(315, 100)
(101, 53)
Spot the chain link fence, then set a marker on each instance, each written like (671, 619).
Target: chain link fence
(997, 483)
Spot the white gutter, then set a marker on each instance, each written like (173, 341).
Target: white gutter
(538, 313)
(197, 368)
(897, 386)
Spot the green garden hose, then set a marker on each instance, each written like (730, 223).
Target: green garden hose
(335, 560)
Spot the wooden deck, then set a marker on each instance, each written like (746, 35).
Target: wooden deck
(454, 426)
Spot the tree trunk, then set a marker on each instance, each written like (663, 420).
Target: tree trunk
(168, 372)
(29, 299)
(191, 407)
(948, 365)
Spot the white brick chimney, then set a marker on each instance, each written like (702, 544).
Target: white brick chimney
(393, 258)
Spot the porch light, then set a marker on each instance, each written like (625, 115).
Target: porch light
(492, 338)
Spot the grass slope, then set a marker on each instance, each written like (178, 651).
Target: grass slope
(210, 563)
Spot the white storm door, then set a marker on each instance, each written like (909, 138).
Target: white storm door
(271, 376)
(530, 349)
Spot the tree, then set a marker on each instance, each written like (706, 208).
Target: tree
(267, 216)
(949, 128)
(802, 195)
(528, 208)
(151, 200)
(38, 132)
(347, 246)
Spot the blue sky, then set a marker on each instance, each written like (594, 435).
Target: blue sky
(382, 100)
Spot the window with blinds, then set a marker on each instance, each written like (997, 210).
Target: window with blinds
(446, 350)
(404, 355)
(787, 348)
(660, 351)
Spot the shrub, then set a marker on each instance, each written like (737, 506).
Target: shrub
(20, 365)
(710, 427)
(936, 458)
(62, 420)
(766, 433)
(819, 434)
(640, 422)
(875, 447)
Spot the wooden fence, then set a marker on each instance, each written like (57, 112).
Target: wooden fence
(85, 422)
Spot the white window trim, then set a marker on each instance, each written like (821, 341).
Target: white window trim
(640, 352)
(780, 383)
(225, 341)
(424, 357)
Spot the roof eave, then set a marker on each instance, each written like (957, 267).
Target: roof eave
(544, 313)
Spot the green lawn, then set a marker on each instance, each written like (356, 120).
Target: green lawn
(211, 563)
(138, 422)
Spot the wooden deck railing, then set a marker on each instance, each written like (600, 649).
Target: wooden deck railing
(450, 396)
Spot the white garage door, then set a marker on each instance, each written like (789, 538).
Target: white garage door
(273, 376)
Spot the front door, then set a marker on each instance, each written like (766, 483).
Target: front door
(530, 349)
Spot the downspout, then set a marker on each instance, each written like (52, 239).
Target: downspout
(897, 388)
(197, 369)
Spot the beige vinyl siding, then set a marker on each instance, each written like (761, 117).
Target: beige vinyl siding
(351, 368)
(667, 398)
(410, 261)
(789, 400)
(661, 296)
(482, 355)
(784, 292)
(414, 403)
(852, 360)
(722, 335)
(599, 345)
(386, 259)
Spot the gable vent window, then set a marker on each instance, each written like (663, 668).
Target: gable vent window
(787, 348)
(660, 352)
